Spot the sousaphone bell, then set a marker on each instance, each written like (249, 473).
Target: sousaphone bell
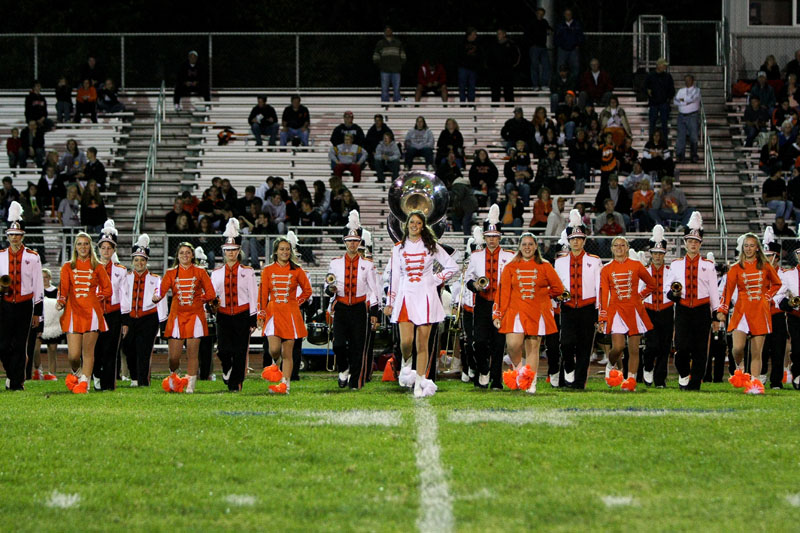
(417, 190)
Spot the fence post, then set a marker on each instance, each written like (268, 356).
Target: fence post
(122, 61)
(210, 62)
(297, 62)
(36, 57)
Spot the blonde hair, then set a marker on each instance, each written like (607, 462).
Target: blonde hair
(73, 262)
(537, 252)
(293, 262)
(761, 258)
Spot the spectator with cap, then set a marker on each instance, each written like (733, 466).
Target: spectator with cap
(503, 58)
(295, 122)
(595, 85)
(536, 32)
(192, 79)
(763, 91)
(431, 79)
(562, 84)
(688, 102)
(660, 90)
(470, 60)
(347, 127)
(568, 39)
(390, 56)
(517, 128)
(263, 120)
(347, 156)
(756, 120)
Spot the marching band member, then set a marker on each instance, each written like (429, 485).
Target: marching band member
(82, 286)
(774, 350)
(622, 313)
(466, 299)
(365, 251)
(487, 266)
(579, 272)
(757, 283)
(661, 312)
(107, 349)
(413, 301)
(787, 299)
(696, 300)
(355, 282)
(51, 332)
(718, 346)
(524, 310)
(279, 316)
(191, 289)
(235, 287)
(551, 341)
(21, 302)
(140, 316)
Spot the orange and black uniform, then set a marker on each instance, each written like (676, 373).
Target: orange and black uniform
(658, 340)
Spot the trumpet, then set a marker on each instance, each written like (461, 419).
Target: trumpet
(5, 284)
(330, 284)
(794, 301)
(676, 287)
(564, 296)
(330, 279)
(482, 282)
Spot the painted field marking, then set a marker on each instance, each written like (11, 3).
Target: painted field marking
(619, 501)
(352, 417)
(567, 417)
(793, 499)
(435, 501)
(60, 500)
(240, 500)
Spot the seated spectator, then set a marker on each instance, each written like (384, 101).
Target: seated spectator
(631, 183)
(450, 140)
(32, 139)
(463, 204)
(374, 136)
(86, 102)
(308, 218)
(184, 225)
(787, 135)
(449, 171)
(337, 188)
(556, 221)
(345, 128)
(50, 189)
(763, 91)
(791, 91)
(483, 176)
(247, 221)
(322, 201)
(551, 139)
(614, 120)
(263, 120)
(192, 79)
(228, 193)
(783, 112)
(419, 142)
(276, 209)
(756, 120)
(36, 108)
(171, 218)
(627, 156)
(622, 202)
(516, 129)
(349, 157)
(94, 169)
(542, 208)
(241, 206)
(107, 99)
(63, 100)
(69, 209)
(769, 161)
(31, 212)
(593, 134)
(387, 158)
(559, 85)
(774, 195)
(541, 123)
(771, 69)
(641, 205)
(13, 148)
(209, 241)
(550, 174)
(518, 173)
(608, 158)
(609, 223)
(569, 116)
(511, 209)
(190, 203)
(295, 122)
(345, 205)
(657, 158)
(581, 155)
(790, 154)
(262, 191)
(91, 71)
(670, 204)
(595, 85)
(72, 163)
(431, 79)
(214, 208)
(93, 210)
(293, 205)
(793, 193)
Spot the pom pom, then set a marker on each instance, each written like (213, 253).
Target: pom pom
(510, 379)
(614, 378)
(754, 387)
(769, 236)
(109, 228)
(353, 220)
(291, 236)
(477, 235)
(525, 377)
(739, 379)
(231, 228)
(15, 212)
(658, 233)
(710, 257)
(143, 241)
(575, 218)
(696, 221)
(367, 236)
(272, 374)
(494, 214)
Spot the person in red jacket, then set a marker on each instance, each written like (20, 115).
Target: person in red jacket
(431, 79)
(595, 86)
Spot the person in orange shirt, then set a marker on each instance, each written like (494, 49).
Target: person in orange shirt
(641, 204)
(279, 316)
(86, 102)
(191, 290)
(524, 311)
(608, 158)
(541, 208)
(83, 285)
(622, 312)
(757, 283)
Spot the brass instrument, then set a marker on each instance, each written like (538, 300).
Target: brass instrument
(676, 287)
(213, 305)
(5, 284)
(564, 296)
(330, 279)
(794, 301)
(417, 190)
(482, 282)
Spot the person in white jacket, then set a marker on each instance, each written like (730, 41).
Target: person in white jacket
(688, 102)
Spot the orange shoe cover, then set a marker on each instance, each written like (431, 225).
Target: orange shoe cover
(510, 379)
(388, 371)
(272, 373)
(784, 380)
(754, 387)
(81, 388)
(71, 381)
(614, 378)
(525, 377)
(280, 388)
(629, 384)
(52, 377)
(739, 379)
(165, 384)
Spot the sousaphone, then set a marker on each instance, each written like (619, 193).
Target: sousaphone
(417, 190)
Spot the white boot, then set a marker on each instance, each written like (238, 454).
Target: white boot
(134, 383)
(532, 388)
(684, 382)
(569, 378)
(424, 387)
(648, 377)
(609, 368)
(96, 382)
(191, 384)
(554, 380)
(465, 377)
(483, 380)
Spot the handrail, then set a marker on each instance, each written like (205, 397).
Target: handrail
(152, 159)
(711, 175)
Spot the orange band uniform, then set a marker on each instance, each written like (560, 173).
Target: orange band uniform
(526, 289)
(191, 289)
(78, 291)
(278, 300)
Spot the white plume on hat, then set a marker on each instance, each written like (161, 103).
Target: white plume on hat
(468, 250)
(658, 233)
(367, 236)
(143, 241)
(15, 212)
(115, 258)
(353, 220)
(494, 215)
(696, 221)
(562, 240)
(575, 219)
(769, 236)
(291, 236)
(109, 229)
(477, 235)
(739, 242)
(642, 257)
(200, 255)
(633, 254)
(232, 228)
(710, 257)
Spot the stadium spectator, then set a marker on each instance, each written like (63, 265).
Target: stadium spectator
(92, 72)
(627, 156)
(483, 177)
(263, 190)
(93, 210)
(791, 91)
(263, 120)
(69, 209)
(614, 120)
(550, 140)
(36, 108)
(620, 197)
(208, 240)
(641, 205)
(756, 120)
(550, 173)
(541, 123)
(191, 79)
(252, 247)
(608, 158)
(783, 111)
(793, 66)
(171, 218)
(31, 212)
(568, 116)
(308, 218)
(431, 79)
(594, 135)
(608, 223)
(107, 98)
(562, 83)
(581, 155)
(347, 127)
(782, 229)
(787, 134)
(771, 68)
(542, 208)
(94, 169)
(50, 189)
(670, 204)
(72, 162)
(660, 90)
(347, 156)
(345, 205)
(241, 206)
(419, 142)
(294, 123)
(631, 183)
(568, 39)
(276, 209)
(389, 56)
(536, 32)
(13, 148)
(769, 161)
(793, 193)
(228, 193)
(190, 203)
(518, 173)
(86, 102)
(657, 158)
(387, 158)
(449, 171)
(63, 100)
(293, 205)
(322, 201)
(8, 194)
(450, 140)
(470, 60)
(595, 85)
(463, 203)
(503, 57)
(374, 136)
(790, 151)
(214, 208)
(512, 209)
(764, 92)
(556, 223)
(774, 195)
(517, 128)
(688, 101)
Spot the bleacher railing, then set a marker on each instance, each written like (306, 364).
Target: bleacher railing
(711, 176)
(152, 160)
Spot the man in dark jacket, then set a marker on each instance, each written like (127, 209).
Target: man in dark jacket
(347, 127)
(375, 134)
(470, 60)
(263, 120)
(595, 85)
(536, 34)
(568, 40)
(562, 83)
(503, 58)
(32, 144)
(516, 129)
(389, 56)
(660, 90)
(622, 202)
(192, 78)
(36, 108)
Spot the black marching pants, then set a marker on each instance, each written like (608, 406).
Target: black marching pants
(774, 350)
(658, 342)
(577, 335)
(233, 341)
(553, 346)
(793, 327)
(15, 326)
(468, 346)
(106, 349)
(717, 357)
(350, 330)
(138, 347)
(489, 343)
(692, 330)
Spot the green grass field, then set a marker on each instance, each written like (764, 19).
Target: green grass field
(322, 459)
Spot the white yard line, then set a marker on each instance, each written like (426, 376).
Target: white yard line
(435, 501)
(619, 501)
(355, 417)
(793, 499)
(241, 500)
(517, 418)
(60, 500)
